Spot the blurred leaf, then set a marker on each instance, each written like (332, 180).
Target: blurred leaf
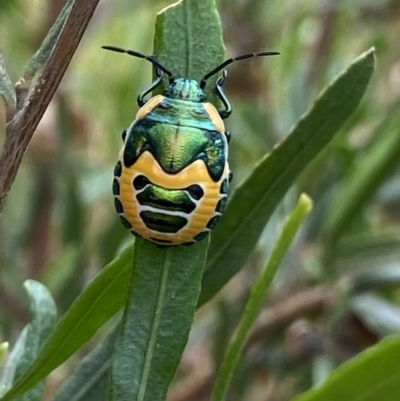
(113, 238)
(257, 297)
(61, 268)
(253, 202)
(3, 351)
(373, 375)
(382, 317)
(105, 294)
(388, 275)
(44, 315)
(389, 191)
(15, 355)
(100, 300)
(374, 165)
(90, 381)
(362, 253)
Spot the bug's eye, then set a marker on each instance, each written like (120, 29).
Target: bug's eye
(123, 135)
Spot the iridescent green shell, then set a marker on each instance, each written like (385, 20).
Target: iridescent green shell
(172, 179)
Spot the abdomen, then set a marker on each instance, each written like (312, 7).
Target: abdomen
(169, 209)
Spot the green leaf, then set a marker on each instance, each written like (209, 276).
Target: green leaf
(188, 40)
(7, 91)
(8, 373)
(375, 164)
(90, 381)
(3, 351)
(256, 198)
(373, 375)
(44, 316)
(257, 297)
(165, 285)
(100, 300)
(379, 315)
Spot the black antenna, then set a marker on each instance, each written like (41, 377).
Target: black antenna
(232, 60)
(152, 59)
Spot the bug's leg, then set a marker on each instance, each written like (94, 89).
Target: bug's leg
(220, 93)
(157, 82)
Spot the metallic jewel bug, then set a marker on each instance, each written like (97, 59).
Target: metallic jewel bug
(171, 181)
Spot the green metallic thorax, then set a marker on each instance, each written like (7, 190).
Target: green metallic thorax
(178, 132)
(185, 89)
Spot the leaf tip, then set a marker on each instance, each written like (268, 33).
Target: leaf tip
(371, 52)
(169, 7)
(306, 203)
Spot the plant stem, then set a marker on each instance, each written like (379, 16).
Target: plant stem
(257, 297)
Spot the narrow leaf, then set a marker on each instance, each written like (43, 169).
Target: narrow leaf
(100, 300)
(375, 164)
(163, 295)
(3, 351)
(44, 315)
(90, 381)
(165, 283)
(373, 375)
(258, 295)
(188, 40)
(254, 201)
(8, 373)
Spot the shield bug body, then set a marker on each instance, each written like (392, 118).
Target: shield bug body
(172, 179)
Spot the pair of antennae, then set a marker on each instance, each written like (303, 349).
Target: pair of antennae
(203, 81)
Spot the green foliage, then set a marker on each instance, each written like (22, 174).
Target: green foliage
(90, 381)
(100, 301)
(374, 375)
(257, 297)
(162, 299)
(375, 164)
(31, 340)
(59, 225)
(254, 201)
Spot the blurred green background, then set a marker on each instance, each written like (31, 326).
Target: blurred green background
(338, 291)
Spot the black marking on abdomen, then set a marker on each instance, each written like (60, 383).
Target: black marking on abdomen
(188, 243)
(221, 205)
(224, 187)
(118, 206)
(195, 191)
(163, 223)
(161, 198)
(213, 222)
(125, 222)
(118, 169)
(140, 182)
(201, 236)
(135, 234)
(115, 187)
(161, 241)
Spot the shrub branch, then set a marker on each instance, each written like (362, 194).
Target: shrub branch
(20, 129)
